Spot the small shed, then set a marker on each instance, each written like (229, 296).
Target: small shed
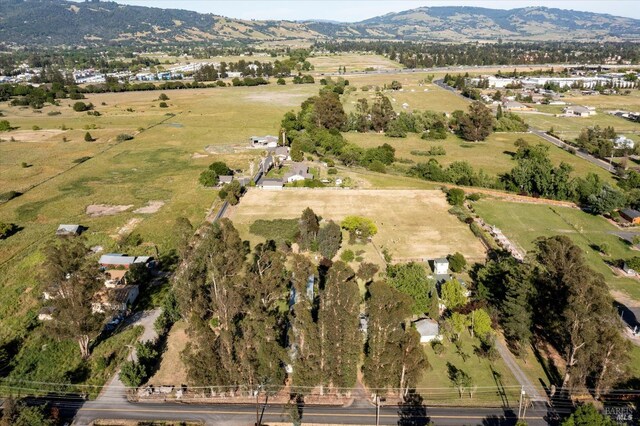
(631, 215)
(225, 179)
(68, 230)
(628, 269)
(46, 313)
(441, 266)
(428, 329)
(270, 183)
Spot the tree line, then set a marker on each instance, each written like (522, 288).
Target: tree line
(555, 296)
(255, 311)
(427, 55)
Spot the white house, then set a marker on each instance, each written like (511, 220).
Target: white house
(264, 141)
(298, 172)
(623, 142)
(428, 329)
(441, 266)
(579, 111)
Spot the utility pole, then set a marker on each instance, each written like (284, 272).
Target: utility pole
(520, 404)
(257, 407)
(524, 411)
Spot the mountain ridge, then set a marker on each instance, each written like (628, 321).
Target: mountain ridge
(61, 22)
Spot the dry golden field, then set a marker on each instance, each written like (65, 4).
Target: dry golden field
(412, 224)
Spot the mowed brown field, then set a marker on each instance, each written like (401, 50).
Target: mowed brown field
(352, 62)
(412, 224)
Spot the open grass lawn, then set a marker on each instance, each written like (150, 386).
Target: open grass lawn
(43, 362)
(523, 223)
(362, 178)
(494, 156)
(569, 127)
(172, 370)
(352, 62)
(629, 102)
(495, 383)
(158, 164)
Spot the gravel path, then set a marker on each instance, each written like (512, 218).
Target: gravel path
(115, 390)
(507, 356)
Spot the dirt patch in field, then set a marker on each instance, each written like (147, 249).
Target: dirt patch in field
(151, 207)
(96, 210)
(129, 226)
(282, 99)
(32, 135)
(198, 155)
(172, 370)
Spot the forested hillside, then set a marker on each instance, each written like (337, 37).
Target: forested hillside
(59, 22)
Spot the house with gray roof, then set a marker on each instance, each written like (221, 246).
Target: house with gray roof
(280, 152)
(225, 179)
(631, 215)
(429, 330)
(579, 111)
(268, 183)
(515, 106)
(116, 260)
(299, 171)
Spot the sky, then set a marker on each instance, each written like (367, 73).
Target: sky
(357, 10)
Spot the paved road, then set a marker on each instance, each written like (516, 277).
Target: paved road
(234, 414)
(557, 142)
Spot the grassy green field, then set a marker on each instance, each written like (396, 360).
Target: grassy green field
(569, 127)
(523, 223)
(495, 382)
(494, 156)
(629, 102)
(159, 164)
